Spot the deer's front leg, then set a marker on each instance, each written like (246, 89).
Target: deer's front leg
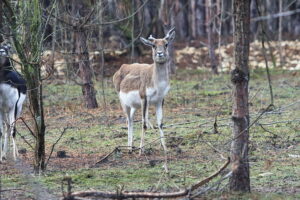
(144, 122)
(1, 135)
(149, 125)
(159, 117)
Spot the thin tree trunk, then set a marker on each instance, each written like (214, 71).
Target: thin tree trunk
(36, 99)
(81, 49)
(54, 37)
(209, 30)
(1, 21)
(132, 31)
(85, 71)
(220, 32)
(100, 45)
(280, 34)
(167, 18)
(240, 180)
(193, 19)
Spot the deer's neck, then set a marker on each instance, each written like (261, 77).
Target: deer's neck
(160, 73)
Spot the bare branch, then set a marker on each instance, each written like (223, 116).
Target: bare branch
(54, 144)
(283, 14)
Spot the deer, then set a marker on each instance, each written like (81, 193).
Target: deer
(140, 85)
(12, 95)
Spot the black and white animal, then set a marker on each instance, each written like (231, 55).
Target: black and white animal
(12, 95)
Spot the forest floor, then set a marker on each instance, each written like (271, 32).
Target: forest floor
(197, 124)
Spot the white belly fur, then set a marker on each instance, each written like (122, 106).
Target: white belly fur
(130, 99)
(133, 99)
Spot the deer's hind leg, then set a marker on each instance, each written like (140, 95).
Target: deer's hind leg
(159, 117)
(144, 106)
(129, 111)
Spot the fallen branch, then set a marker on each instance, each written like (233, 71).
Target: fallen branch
(128, 194)
(204, 181)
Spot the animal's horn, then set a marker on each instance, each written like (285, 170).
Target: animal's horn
(169, 32)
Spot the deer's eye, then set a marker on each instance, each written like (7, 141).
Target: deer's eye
(166, 45)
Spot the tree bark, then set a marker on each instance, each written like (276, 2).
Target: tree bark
(192, 18)
(81, 49)
(240, 180)
(36, 106)
(85, 71)
(166, 15)
(1, 21)
(200, 17)
(280, 34)
(209, 30)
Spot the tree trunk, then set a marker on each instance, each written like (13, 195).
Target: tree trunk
(35, 94)
(1, 21)
(200, 17)
(280, 34)
(209, 30)
(81, 49)
(181, 18)
(166, 15)
(192, 18)
(240, 180)
(85, 71)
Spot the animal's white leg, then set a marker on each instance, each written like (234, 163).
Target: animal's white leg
(12, 131)
(15, 149)
(144, 106)
(6, 132)
(149, 125)
(159, 116)
(130, 127)
(1, 136)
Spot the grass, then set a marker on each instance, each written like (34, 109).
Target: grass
(196, 99)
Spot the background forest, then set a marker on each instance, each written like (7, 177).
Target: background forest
(72, 135)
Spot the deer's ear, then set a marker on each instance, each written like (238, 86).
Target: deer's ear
(146, 42)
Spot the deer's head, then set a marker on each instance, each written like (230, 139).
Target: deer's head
(160, 52)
